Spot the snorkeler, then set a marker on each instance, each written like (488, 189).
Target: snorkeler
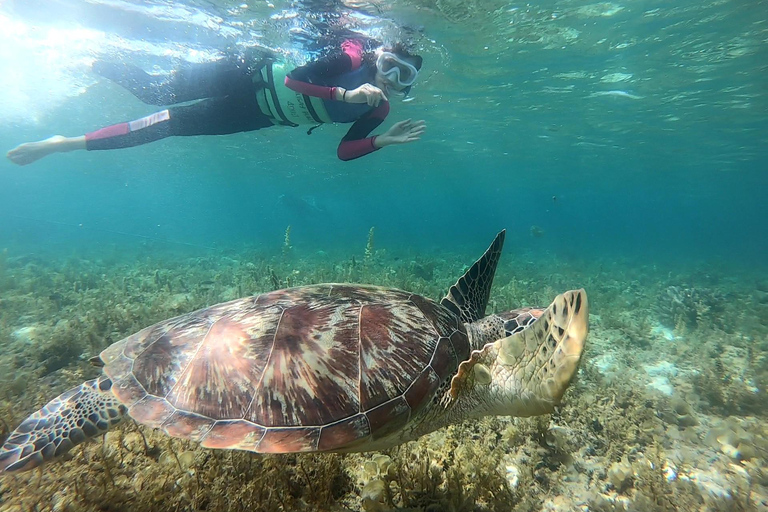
(350, 86)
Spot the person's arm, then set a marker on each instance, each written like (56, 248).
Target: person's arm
(326, 68)
(356, 142)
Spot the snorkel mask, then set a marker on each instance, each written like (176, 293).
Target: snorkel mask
(398, 70)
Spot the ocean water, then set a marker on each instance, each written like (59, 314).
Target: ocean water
(623, 145)
(645, 122)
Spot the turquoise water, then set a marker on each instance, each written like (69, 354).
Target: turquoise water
(623, 145)
(647, 123)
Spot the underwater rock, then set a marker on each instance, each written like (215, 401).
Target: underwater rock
(660, 374)
(28, 335)
(680, 414)
(512, 473)
(378, 471)
(665, 333)
(734, 442)
(373, 494)
(620, 475)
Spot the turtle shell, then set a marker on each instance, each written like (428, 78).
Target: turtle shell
(316, 368)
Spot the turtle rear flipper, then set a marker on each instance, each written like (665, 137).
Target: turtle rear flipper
(79, 414)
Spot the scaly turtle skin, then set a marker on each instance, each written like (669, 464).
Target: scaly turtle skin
(330, 367)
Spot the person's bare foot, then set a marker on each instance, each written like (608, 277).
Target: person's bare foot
(29, 152)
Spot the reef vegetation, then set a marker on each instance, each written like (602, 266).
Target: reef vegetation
(669, 411)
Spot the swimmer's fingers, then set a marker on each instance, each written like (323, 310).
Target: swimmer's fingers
(374, 95)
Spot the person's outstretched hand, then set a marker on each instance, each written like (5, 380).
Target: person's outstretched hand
(401, 133)
(366, 93)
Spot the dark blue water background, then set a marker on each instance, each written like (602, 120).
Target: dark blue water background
(640, 134)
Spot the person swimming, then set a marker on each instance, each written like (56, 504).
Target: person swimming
(236, 95)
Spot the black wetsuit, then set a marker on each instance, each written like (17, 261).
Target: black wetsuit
(225, 100)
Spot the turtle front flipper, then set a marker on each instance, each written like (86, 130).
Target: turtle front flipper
(81, 413)
(468, 298)
(527, 373)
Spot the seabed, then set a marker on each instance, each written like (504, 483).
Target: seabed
(668, 411)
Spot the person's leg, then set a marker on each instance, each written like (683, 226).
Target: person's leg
(190, 82)
(213, 116)
(29, 152)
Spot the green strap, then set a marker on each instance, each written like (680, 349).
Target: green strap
(275, 103)
(285, 105)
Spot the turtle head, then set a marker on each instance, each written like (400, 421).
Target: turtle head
(527, 372)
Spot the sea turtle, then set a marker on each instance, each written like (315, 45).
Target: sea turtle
(323, 368)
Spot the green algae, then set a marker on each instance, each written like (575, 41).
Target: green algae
(57, 313)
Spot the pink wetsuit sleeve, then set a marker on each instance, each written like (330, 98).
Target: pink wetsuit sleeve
(318, 91)
(123, 135)
(351, 149)
(108, 132)
(354, 145)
